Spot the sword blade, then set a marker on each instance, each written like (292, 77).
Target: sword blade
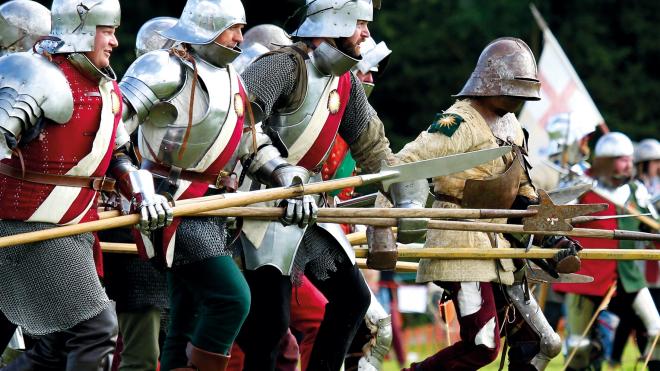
(442, 165)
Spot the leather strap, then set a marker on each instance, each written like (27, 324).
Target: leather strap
(447, 198)
(96, 183)
(227, 182)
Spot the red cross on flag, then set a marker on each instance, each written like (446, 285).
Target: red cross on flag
(565, 112)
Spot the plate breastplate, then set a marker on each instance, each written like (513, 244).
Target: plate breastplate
(290, 125)
(163, 131)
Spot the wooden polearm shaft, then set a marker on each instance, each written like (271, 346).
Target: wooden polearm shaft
(129, 248)
(468, 253)
(616, 234)
(209, 203)
(275, 212)
(533, 253)
(386, 217)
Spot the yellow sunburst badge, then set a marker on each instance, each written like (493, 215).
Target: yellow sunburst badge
(334, 102)
(114, 100)
(445, 123)
(239, 106)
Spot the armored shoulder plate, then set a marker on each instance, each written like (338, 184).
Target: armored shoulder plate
(31, 87)
(154, 77)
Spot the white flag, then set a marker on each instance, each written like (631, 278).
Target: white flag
(565, 112)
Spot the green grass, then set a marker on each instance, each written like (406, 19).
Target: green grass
(629, 357)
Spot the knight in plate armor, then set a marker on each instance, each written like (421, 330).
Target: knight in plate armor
(194, 124)
(306, 95)
(485, 293)
(62, 132)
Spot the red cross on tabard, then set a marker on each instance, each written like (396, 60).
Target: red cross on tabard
(558, 102)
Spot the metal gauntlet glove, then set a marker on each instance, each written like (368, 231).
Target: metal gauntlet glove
(410, 195)
(155, 212)
(300, 210)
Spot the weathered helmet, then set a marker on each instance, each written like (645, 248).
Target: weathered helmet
(259, 40)
(22, 23)
(647, 150)
(506, 67)
(374, 56)
(75, 21)
(203, 20)
(148, 37)
(614, 144)
(334, 18)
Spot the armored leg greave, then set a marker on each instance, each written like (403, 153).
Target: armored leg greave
(373, 341)
(550, 343)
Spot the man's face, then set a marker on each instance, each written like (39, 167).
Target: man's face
(365, 77)
(503, 105)
(351, 45)
(622, 167)
(231, 37)
(104, 42)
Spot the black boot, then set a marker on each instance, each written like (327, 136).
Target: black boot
(85, 347)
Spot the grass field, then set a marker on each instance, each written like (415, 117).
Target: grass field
(629, 357)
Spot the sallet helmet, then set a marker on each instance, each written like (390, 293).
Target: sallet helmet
(647, 150)
(506, 67)
(334, 18)
(614, 144)
(22, 23)
(148, 37)
(74, 23)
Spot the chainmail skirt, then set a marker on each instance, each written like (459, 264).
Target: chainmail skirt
(319, 254)
(51, 285)
(200, 238)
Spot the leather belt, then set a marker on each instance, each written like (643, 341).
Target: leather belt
(223, 180)
(96, 183)
(447, 198)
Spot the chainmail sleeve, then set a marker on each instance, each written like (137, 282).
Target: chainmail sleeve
(364, 132)
(358, 113)
(270, 78)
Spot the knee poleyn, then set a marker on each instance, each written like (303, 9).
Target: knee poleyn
(551, 345)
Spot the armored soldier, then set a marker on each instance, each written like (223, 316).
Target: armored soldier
(191, 109)
(62, 133)
(612, 171)
(505, 77)
(22, 23)
(306, 95)
(647, 163)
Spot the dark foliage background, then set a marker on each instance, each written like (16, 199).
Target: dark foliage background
(613, 45)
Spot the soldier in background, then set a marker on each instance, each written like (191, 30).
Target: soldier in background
(612, 170)
(137, 287)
